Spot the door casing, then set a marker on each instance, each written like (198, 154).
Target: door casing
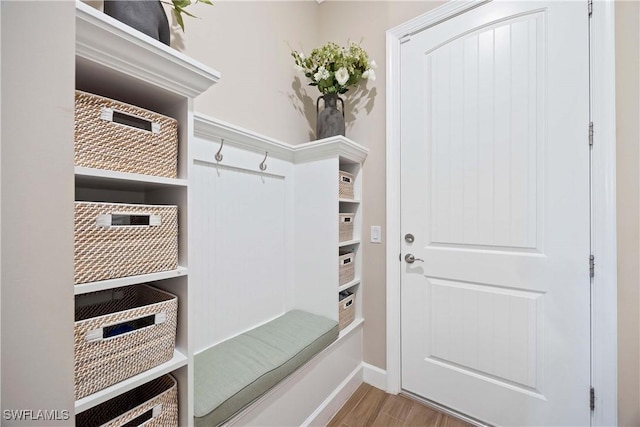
(604, 292)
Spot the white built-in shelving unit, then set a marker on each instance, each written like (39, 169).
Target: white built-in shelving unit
(120, 63)
(267, 242)
(271, 238)
(353, 165)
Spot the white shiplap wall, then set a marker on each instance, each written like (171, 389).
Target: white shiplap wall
(240, 243)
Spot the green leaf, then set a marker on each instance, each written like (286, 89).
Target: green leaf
(176, 13)
(206, 2)
(187, 13)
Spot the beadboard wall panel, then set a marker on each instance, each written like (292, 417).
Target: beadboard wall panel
(241, 249)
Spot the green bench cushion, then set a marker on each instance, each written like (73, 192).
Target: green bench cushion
(234, 373)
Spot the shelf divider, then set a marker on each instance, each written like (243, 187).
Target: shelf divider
(129, 280)
(179, 360)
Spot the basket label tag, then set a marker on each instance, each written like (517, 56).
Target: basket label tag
(94, 335)
(123, 220)
(157, 410)
(155, 220)
(161, 317)
(111, 115)
(106, 114)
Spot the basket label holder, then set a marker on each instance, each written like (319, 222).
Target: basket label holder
(110, 331)
(128, 220)
(129, 120)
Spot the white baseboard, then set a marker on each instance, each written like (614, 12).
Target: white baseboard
(332, 404)
(374, 376)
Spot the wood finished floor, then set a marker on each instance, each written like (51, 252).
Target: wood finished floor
(369, 406)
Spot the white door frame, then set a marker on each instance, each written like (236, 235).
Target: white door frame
(604, 294)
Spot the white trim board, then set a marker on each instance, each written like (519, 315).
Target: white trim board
(604, 295)
(603, 236)
(374, 376)
(332, 404)
(213, 129)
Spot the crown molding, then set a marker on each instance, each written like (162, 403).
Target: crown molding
(214, 129)
(112, 44)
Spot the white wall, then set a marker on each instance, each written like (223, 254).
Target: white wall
(37, 207)
(628, 193)
(247, 42)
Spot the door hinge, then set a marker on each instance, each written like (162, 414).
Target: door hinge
(590, 134)
(592, 265)
(592, 399)
(590, 7)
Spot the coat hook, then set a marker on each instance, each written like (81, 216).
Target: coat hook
(219, 153)
(263, 165)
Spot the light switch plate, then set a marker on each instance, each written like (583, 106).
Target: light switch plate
(376, 234)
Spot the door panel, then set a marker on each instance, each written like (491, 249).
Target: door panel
(484, 135)
(495, 187)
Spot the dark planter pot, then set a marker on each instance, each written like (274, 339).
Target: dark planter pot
(330, 119)
(146, 16)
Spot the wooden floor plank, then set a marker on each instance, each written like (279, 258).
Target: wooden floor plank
(372, 407)
(384, 420)
(397, 407)
(420, 415)
(367, 410)
(350, 404)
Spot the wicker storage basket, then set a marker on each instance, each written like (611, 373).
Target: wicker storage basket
(346, 226)
(346, 309)
(116, 240)
(154, 403)
(121, 332)
(345, 186)
(346, 267)
(120, 137)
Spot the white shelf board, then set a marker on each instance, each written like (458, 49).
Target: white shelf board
(352, 327)
(179, 360)
(99, 178)
(351, 284)
(129, 280)
(349, 243)
(343, 200)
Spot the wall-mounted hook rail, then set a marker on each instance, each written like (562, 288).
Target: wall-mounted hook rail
(219, 153)
(263, 165)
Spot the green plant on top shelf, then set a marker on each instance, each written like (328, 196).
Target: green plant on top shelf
(178, 8)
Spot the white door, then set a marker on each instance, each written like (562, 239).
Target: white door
(495, 191)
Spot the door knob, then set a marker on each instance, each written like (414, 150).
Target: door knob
(411, 259)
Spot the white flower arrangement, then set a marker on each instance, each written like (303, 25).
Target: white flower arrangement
(333, 69)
